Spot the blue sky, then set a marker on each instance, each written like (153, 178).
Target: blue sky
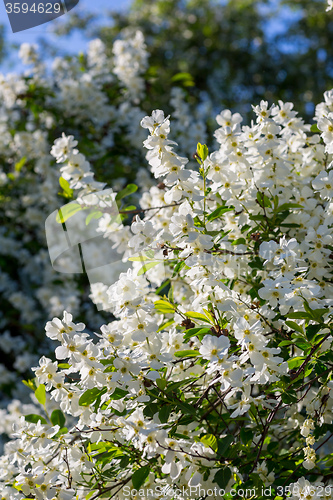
(76, 42)
(73, 44)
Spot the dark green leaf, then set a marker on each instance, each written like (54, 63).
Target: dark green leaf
(186, 353)
(224, 444)
(295, 362)
(130, 189)
(299, 315)
(32, 418)
(294, 326)
(164, 413)
(196, 332)
(140, 476)
(58, 418)
(90, 396)
(222, 477)
(246, 435)
(218, 212)
(287, 206)
(186, 408)
(118, 394)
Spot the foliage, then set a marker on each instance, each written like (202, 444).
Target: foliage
(98, 99)
(236, 52)
(216, 375)
(207, 370)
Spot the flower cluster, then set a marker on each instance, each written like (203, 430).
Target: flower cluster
(216, 362)
(131, 59)
(98, 98)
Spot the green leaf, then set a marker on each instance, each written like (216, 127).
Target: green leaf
(302, 344)
(246, 435)
(285, 342)
(30, 384)
(210, 441)
(239, 241)
(67, 211)
(164, 307)
(290, 225)
(20, 164)
(58, 418)
(182, 76)
(90, 396)
(178, 267)
(294, 326)
(186, 408)
(173, 386)
(196, 332)
(163, 287)
(65, 186)
(299, 315)
(256, 217)
(61, 431)
(164, 413)
(202, 151)
(129, 208)
(151, 409)
(288, 398)
(314, 128)
(170, 295)
(195, 315)
(166, 325)
(118, 393)
(222, 477)
(147, 266)
(40, 394)
(34, 419)
(287, 206)
(93, 215)
(263, 200)
(218, 212)
(124, 462)
(141, 258)
(224, 444)
(161, 383)
(295, 362)
(311, 331)
(130, 189)
(318, 314)
(64, 365)
(140, 476)
(186, 353)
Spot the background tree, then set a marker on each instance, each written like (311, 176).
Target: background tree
(236, 51)
(2, 42)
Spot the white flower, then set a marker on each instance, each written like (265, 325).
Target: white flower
(214, 348)
(56, 328)
(307, 427)
(227, 119)
(324, 183)
(63, 148)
